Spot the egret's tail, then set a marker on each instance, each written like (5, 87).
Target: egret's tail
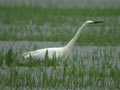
(26, 55)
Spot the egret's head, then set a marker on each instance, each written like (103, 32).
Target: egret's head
(93, 22)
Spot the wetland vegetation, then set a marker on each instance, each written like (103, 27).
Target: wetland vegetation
(94, 63)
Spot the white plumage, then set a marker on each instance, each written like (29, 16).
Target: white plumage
(58, 52)
(40, 54)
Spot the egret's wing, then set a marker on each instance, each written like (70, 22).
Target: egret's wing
(35, 54)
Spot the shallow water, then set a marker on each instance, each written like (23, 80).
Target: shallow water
(26, 45)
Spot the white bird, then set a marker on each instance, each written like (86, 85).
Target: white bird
(58, 52)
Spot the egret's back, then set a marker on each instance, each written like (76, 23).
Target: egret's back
(40, 54)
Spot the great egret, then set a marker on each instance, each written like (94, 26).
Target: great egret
(60, 52)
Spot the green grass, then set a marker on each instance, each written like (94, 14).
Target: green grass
(55, 24)
(98, 70)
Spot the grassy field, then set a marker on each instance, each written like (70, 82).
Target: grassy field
(93, 65)
(55, 24)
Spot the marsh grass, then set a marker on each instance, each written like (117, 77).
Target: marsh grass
(48, 24)
(100, 71)
(96, 70)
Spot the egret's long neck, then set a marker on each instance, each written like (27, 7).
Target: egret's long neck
(72, 42)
